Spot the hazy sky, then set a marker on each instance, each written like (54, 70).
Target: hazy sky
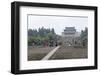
(57, 22)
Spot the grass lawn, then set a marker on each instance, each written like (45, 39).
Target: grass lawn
(65, 52)
(37, 53)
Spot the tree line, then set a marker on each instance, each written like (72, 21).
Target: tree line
(84, 37)
(42, 37)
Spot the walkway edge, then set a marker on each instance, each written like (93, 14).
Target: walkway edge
(50, 53)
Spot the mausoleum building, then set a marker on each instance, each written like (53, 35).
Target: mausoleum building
(70, 36)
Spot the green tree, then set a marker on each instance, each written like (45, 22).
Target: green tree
(84, 37)
(38, 37)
